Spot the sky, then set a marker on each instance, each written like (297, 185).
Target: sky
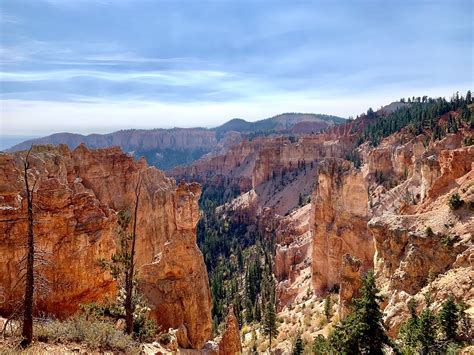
(101, 65)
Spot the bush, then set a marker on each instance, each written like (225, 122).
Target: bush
(144, 329)
(94, 334)
(429, 232)
(321, 345)
(455, 201)
(447, 241)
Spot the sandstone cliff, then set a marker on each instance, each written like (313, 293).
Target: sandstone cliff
(393, 215)
(78, 195)
(429, 247)
(293, 255)
(339, 223)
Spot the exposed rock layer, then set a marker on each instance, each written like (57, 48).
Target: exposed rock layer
(78, 195)
(339, 223)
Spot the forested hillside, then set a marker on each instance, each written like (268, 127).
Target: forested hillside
(240, 247)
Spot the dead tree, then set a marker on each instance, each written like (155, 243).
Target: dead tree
(27, 331)
(129, 272)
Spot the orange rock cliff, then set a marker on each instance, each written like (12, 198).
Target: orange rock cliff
(78, 195)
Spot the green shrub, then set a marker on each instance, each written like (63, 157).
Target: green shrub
(321, 345)
(447, 241)
(429, 232)
(455, 201)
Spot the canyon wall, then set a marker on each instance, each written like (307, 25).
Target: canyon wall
(393, 215)
(77, 197)
(339, 223)
(428, 245)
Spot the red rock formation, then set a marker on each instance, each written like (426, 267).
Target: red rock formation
(339, 223)
(292, 254)
(79, 193)
(230, 343)
(407, 252)
(350, 283)
(277, 169)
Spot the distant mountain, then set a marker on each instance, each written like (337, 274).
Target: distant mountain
(164, 148)
(168, 148)
(280, 123)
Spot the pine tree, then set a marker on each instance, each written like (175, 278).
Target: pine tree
(130, 279)
(327, 308)
(270, 326)
(410, 331)
(133, 306)
(300, 200)
(298, 346)
(427, 327)
(321, 346)
(248, 311)
(449, 319)
(257, 311)
(362, 331)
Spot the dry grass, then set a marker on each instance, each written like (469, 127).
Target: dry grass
(95, 335)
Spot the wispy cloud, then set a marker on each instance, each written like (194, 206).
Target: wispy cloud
(123, 62)
(6, 18)
(179, 78)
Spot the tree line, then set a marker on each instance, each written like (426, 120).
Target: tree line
(421, 115)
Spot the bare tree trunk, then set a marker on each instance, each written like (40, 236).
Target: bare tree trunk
(129, 309)
(27, 331)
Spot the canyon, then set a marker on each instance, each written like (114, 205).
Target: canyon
(329, 206)
(333, 218)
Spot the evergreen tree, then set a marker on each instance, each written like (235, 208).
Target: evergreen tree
(248, 311)
(362, 331)
(428, 327)
(298, 346)
(270, 326)
(300, 200)
(321, 346)
(410, 331)
(257, 311)
(449, 319)
(327, 308)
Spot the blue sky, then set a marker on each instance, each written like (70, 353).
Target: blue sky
(97, 66)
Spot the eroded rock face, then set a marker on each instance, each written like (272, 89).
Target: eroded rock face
(292, 255)
(403, 188)
(417, 236)
(230, 343)
(350, 278)
(78, 195)
(432, 246)
(339, 222)
(278, 169)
